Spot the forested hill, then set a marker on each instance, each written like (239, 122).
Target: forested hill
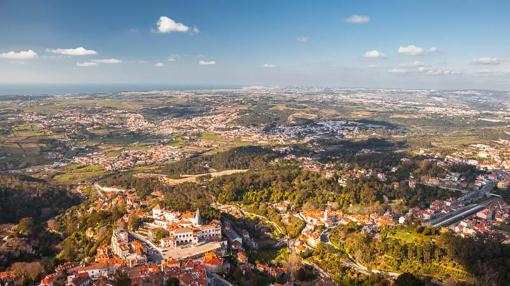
(27, 205)
(23, 196)
(237, 158)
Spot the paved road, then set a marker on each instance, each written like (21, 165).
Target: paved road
(265, 219)
(325, 235)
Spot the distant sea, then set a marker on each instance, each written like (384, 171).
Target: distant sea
(62, 89)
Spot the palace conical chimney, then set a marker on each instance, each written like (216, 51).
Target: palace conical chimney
(198, 219)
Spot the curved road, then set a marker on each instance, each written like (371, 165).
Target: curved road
(351, 262)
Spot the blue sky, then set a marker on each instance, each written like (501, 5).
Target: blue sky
(408, 44)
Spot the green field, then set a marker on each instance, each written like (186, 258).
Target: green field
(75, 173)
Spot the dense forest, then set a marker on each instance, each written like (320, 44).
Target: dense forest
(278, 183)
(23, 196)
(334, 149)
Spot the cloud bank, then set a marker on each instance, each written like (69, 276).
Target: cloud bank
(79, 51)
(19, 55)
(206, 63)
(357, 19)
(374, 54)
(413, 50)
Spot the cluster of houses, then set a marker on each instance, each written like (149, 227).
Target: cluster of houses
(70, 120)
(244, 266)
(486, 157)
(136, 122)
(330, 218)
(130, 158)
(351, 174)
(323, 128)
(308, 239)
(311, 236)
(192, 272)
(221, 122)
(436, 208)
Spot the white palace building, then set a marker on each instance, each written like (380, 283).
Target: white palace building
(185, 228)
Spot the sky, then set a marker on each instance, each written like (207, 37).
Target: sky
(439, 44)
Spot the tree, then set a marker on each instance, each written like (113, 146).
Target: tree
(408, 279)
(134, 222)
(160, 233)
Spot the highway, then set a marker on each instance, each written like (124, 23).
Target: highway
(461, 214)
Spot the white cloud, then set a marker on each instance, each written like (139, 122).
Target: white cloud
(108, 61)
(429, 71)
(86, 64)
(487, 61)
(167, 25)
(80, 51)
(397, 70)
(269, 65)
(357, 19)
(205, 63)
(374, 54)
(19, 55)
(413, 50)
(303, 39)
(412, 64)
(159, 65)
